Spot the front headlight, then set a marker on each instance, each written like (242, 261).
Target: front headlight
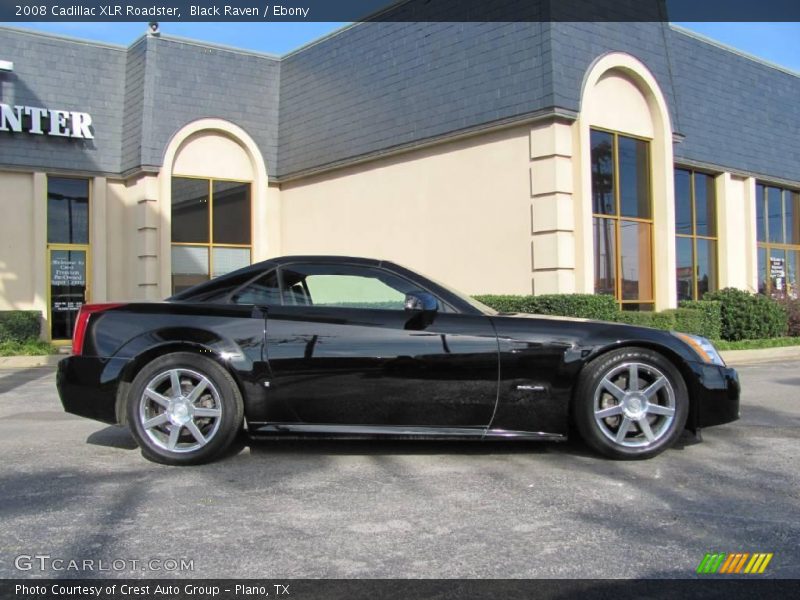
(703, 347)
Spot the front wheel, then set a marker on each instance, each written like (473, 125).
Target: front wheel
(184, 409)
(631, 403)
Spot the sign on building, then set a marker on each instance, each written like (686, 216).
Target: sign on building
(45, 121)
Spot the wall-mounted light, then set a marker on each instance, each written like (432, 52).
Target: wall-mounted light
(6, 65)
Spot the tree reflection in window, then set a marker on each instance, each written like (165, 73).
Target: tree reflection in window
(622, 219)
(695, 234)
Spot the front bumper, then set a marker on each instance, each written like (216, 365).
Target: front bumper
(715, 394)
(88, 386)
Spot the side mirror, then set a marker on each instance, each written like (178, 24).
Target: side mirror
(421, 301)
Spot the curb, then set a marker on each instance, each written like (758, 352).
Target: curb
(736, 358)
(30, 362)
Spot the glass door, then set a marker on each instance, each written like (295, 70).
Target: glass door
(67, 253)
(68, 280)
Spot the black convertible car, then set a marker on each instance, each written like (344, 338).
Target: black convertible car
(339, 346)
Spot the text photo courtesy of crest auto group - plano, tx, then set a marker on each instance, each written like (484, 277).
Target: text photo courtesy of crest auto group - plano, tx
(399, 299)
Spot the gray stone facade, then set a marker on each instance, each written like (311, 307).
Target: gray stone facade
(377, 86)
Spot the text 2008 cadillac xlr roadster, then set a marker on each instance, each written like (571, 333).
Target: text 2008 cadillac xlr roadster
(340, 346)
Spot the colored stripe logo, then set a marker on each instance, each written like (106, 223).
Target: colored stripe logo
(734, 563)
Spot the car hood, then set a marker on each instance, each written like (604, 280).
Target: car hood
(550, 318)
(586, 333)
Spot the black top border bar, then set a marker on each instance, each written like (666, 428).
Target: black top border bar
(401, 10)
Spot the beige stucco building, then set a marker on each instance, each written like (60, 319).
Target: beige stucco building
(594, 179)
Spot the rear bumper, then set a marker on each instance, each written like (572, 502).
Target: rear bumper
(716, 394)
(88, 386)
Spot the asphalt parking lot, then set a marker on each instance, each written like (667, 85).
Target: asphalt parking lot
(78, 490)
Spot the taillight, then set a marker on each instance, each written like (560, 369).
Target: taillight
(86, 311)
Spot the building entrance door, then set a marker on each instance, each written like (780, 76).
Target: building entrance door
(68, 272)
(68, 255)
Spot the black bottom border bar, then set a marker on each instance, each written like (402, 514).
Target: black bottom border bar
(417, 589)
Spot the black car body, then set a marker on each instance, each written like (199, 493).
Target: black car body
(448, 368)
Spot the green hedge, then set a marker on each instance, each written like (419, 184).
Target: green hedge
(19, 325)
(792, 308)
(748, 316)
(585, 306)
(701, 318)
(688, 320)
(660, 320)
(728, 314)
(710, 325)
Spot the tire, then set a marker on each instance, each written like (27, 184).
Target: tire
(653, 412)
(192, 427)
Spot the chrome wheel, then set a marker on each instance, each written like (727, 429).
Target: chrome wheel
(634, 405)
(180, 410)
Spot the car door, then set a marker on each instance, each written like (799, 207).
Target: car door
(343, 350)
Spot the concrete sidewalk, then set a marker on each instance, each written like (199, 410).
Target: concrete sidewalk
(736, 358)
(29, 362)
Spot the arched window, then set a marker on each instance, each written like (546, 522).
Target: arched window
(214, 187)
(626, 186)
(211, 229)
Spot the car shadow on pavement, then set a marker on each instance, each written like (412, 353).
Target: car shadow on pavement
(18, 378)
(120, 437)
(573, 446)
(113, 436)
(412, 446)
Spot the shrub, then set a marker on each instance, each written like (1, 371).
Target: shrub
(687, 320)
(585, 306)
(507, 303)
(749, 316)
(19, 325)
(28, 348)
(792, 308)
(711, 326)
(662, 320)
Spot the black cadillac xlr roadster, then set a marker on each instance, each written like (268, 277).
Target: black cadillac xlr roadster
(339, 346)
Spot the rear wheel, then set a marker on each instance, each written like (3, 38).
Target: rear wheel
(184, 409)
(631, 403)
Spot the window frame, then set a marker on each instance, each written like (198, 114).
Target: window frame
(89, 197)
(617, 217)
(363, 268)
(210, 245)
(767, 245)
(694, 236)
(444, 306)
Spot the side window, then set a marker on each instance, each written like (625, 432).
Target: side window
(263, 291)
(345, 286)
